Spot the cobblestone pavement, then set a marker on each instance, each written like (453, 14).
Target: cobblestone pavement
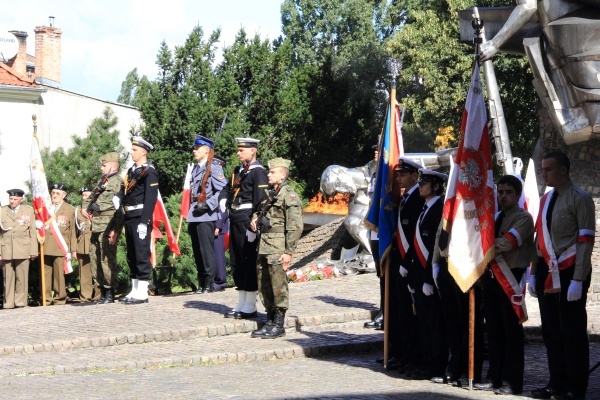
(331, 377)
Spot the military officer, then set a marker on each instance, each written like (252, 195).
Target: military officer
(221, 238)
(432, 344)
(502, 291)
(138, 198)
(60, 246)
(88, 287)
(106, 227)
(561, 278)
(206, 185)
(18, 244)
(243, 194)
(279, 223)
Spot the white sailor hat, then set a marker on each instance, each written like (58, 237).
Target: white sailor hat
(408, 165)
(247, 142)
(428, 175)
(140, 142)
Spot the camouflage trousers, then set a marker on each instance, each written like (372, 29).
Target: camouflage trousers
(272, 282)
(103, 259)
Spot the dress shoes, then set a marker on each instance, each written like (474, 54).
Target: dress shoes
(504, 390)
(488, 386)
(133, 300)
(244, 315)
(370, 324)
(420, 375)
(200, 290)
(447, 379)
(218, 289)
(544, 392)
(379, 325)
(230, 314)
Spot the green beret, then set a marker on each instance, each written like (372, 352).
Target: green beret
(110, 157)
(279, 163)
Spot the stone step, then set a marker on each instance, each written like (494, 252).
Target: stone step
(232, 348)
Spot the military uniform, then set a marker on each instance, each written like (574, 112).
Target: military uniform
(105, 219)
(201, 218)
(242, 247)
(54, 256)
(18, 242)
(88, 287)
(221, 242)
(138, 200)
(285, 220)
(568, 215)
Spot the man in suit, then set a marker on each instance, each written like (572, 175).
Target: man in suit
(88, 287)
(432, 344)
(18, 244)
(243, 195)
(60, 246)
(206, 185)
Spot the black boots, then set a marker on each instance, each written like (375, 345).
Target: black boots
(209, 286)
(108, 296)
(277, 330)
(375, 322)
(266, 327)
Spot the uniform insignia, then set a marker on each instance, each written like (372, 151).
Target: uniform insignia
(154, 184)
(263, 185)
(405, 221)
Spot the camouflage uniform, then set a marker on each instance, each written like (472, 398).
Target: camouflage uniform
(103, 255)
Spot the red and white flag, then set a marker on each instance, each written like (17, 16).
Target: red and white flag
(41, 204)
(184, 208)
(160, 216)
(531, 192)
(470, 205)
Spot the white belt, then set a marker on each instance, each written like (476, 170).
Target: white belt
(242, 206)
(136, 207)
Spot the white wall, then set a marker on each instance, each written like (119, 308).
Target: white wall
(60, 115)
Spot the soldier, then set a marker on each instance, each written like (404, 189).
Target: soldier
(88, 287)
(402, 325)
(243, 195)
(106, 227)
(138, 197)
(207, 182)
(221, 238)
(18, 244)
(502, 291)
(432, 344)
(279, 223)
(561, 278)
(60, 247)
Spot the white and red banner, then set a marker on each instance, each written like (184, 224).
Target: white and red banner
(184, 208)
(513, 289)
(469, 207)
(160, 216)
(41, 204)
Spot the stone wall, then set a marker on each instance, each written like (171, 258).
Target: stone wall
(585, 172)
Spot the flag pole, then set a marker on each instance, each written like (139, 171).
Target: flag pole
(177, 237)
(41, 258)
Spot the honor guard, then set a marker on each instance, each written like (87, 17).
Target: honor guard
(561, 278)
(242, 195)
(60, 246)
(279, 224)
(88, 287)
(107, 223)
(206, 185)
(221, 238)
(138, 199)
(18, 244)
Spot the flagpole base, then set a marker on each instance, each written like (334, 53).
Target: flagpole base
(470, 384)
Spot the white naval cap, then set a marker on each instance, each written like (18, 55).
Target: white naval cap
(430, 175)
(247, 142)
(408, 165)
(140, 142)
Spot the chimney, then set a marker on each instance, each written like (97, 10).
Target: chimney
(19, 62)
(47, 55)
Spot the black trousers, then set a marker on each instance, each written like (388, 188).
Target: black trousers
(432, 341)
(506, 339)
(221, 271)
(138, 250)
(375, 251)
(455, 310)
(402, 336)
(203, 238)
(564, 329)
(243, 256)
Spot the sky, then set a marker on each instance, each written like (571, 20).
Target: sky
(103, 40)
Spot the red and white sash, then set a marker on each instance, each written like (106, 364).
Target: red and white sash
(401, 240)
(513, 289)
(566, 259)
(60, 240)
(420, 248)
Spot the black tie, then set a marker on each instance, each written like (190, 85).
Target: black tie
(422, 213)
(498, 224)
(550, 209)
(403, 200)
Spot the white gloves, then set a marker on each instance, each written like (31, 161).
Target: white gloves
(250, 235)
(142, 231)
(403, 271)
(436, 271)
(223, 205)
(531, 286)
(38, 224)
(427, 289)
(116, 202)
(574, 291)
